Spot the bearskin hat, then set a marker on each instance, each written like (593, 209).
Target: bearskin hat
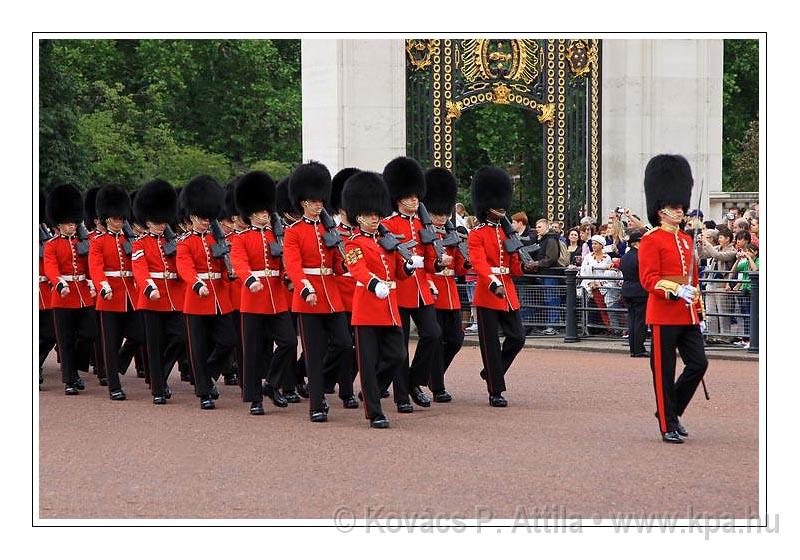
(203, 197)
(183, 215)
(667, 182)
(442, 190)
(404, 177)
(337, 184)
(90, 206)
(283, 204)
(64, 205)
(156, 202)
(132, 217)
(310, 181)
(365, 193)
(113, 201)
(491, 188)
(254, 192)
(42, 206)
(229, 208)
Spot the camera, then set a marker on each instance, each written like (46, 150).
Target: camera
(730, 216)
(619, 210)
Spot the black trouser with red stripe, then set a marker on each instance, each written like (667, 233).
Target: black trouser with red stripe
(430, 337)
(452, 340)
(637, 330)
(672, 397)
(114, 326)
(260, 330)
(166, 343)
(497, 360)
(47, 334)
(210, 340)
(341, 372)
(134, 350)
(75, 331)
(319, 331)
(384, 347)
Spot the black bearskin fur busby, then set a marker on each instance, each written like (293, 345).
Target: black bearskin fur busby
(667, 182)
(254, 192)
(113, 201)
(42, 206)
(183, 215)
(90, 206)
(64, 205)
(404, 177)
(156, 202)
(491, 188)
(283, 204)
(203, 197)
(365, 193)
(132, 217)
(229, 209)
(441, 191)
(337, 184)
(310, 181)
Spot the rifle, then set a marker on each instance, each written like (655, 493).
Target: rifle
(171, 246)
(127, 231)
(83, 240)
(276, 247)
(428, 235)
(390, 242)
(514, 244)
(453, 239)
(44, 237)
(690, 278)
(331, 236)
(221, 249)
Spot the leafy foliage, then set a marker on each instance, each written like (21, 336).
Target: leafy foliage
(739, 112)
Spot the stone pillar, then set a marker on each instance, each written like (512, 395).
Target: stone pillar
(354, 96)
(660, 96)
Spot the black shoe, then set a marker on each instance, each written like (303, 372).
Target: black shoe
(292, 397)
(103, 381)
(350, 402)
(386, 394)
(275, 396)
(231, 379)
(442, 396)
(379, 422)
(140, 373)
(214, 394)
(671, 437)
(302, 390)
(118, 395)
(678, 427)
(326, 406)
(79, 384)
(167, 391)
(419, 398)
(207, 404)
(257, 409)
(70, 389)
(159, 400)
(497, 401)
(483, 375)
(405, 408)
(641, 355)
(319, 416)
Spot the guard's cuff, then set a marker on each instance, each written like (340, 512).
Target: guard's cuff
(60, 286)
(149, 290)
(90, 284)
(250, 281)
(408, 269)
(197, 285)
(105, 285)
(668, 288)
(494, 280)
(438, 266)
(373, 284)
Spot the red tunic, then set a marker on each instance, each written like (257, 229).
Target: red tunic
(345, 282)
(490, 259)
(311, 264)
(367, 260)
(412, 289)
(445, 281)
(151, 267)
(44, 288)
(235, 285)
(106, 256)
(61, 261)
(664, 259)
(253, 262)
(196, 267)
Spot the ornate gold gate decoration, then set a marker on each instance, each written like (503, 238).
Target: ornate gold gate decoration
(535, 75)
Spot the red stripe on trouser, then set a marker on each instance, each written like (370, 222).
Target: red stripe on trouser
(658, 379)
(305, 349)
(103, 341)
(360, 373)
(484, 350)
(242, 366)
(191, 354)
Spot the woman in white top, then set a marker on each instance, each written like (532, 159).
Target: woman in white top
(595, 264)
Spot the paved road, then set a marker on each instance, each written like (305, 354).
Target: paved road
(578, 437)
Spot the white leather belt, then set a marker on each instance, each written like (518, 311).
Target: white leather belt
(71, 278)
(209, 276)
(500, 270)
(118, 273)
(318, 271)
(347, 274)
(162, 275)
(42, 278)
(266, 273)
(446, 272)
(391, 283)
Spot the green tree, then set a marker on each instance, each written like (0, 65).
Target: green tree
(744, 175)
(739, 107)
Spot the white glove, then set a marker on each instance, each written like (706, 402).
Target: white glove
(417, 261)
(703, 327)
(687, 293)
(382, 290)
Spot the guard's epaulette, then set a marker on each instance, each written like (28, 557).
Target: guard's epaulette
(480, 225)
(293, 224)
(100, 234)
(651, 231)
(183, 236)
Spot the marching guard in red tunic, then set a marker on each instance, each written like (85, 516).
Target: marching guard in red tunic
(210, 335)
(440, 201)
(264, 310)
(311, 265)
(160, 291)
(231, 224)
(376, 315)
(47, 333)
(406, 182)
(95, 227)
(72, 295)
(668, 271)
(495, 297)
(110, 267)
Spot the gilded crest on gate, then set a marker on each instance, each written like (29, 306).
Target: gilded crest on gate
(419, 53)
(515, 60)
(581, 56)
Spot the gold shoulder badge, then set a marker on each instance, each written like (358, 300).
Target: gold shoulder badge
(353, 255)
(649, 231)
